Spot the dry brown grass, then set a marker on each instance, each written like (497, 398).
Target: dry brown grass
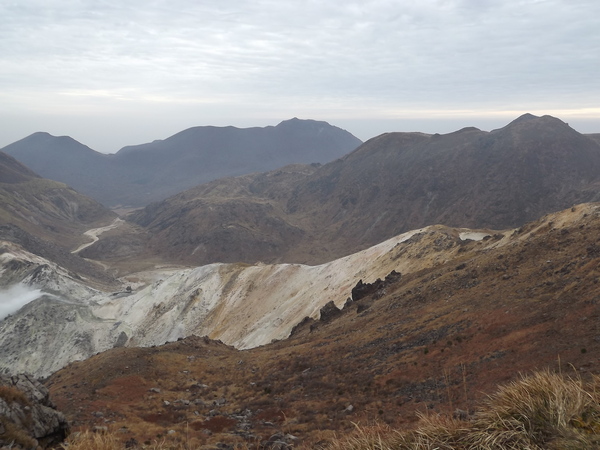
(501, 313)
(11, 395)
(88, 440)
(541, 411)
(15, 436)
(92, 441)
(537, 412)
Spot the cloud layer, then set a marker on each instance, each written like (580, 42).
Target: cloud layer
(191, 61)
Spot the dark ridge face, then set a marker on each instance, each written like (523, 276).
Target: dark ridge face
(138, 175)
(44, 208)
(12, 171)
(392, 183)
(595, 137)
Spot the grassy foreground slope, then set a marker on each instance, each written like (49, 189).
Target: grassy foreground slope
(541, 411)
(426, 342)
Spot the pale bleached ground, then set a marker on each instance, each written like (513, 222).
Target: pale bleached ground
(242, 305)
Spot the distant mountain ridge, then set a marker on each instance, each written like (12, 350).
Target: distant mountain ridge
(140, 174)
(391, 184)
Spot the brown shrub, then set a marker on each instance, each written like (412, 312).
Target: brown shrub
(13, 395)
(541, 411)
(15, 436)
(215, 424)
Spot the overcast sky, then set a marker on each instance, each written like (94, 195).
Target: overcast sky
(111, 73)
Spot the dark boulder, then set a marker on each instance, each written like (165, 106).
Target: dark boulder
(362, 290)
(329, 312)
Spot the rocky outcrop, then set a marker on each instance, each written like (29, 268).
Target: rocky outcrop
(28, 418)
(329, 312)
(362, 290)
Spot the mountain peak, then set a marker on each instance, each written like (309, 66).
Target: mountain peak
(532, 122)
(295, 122)
(525, 117)
(40, 134)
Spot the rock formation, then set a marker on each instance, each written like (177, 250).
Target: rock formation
(28, 418)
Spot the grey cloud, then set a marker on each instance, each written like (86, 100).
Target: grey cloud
(434, 54)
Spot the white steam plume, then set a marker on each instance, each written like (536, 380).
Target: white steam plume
(15, 297)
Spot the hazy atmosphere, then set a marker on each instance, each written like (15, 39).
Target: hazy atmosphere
(112, 73)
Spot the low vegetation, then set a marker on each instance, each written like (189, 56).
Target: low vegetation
(541, 411)
(431, 342)
(10, 394)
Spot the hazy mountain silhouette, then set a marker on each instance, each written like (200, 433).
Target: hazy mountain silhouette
(138, 175)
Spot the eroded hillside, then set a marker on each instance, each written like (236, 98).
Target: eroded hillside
(242, 305)
(432, 339)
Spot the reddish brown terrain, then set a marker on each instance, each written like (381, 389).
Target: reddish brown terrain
(433, 340)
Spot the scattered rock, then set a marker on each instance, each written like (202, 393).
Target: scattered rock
(219, 402)
(460, 414)
(280, 441)
(121, 340)
(307, 322)
(329, 312)
(375, 289)
(131, 443)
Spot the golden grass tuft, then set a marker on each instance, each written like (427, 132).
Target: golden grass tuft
(11, 394)
(88, 440)
(15, 436)
(540, 411)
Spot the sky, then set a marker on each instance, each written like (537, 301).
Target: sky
(111, 73)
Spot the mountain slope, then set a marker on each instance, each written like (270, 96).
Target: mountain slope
(243, 305)
(432, 340)
(46, 209)
(469, 178)
(595, 137)
(226, 220)
(138, 175)
(392, 183)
